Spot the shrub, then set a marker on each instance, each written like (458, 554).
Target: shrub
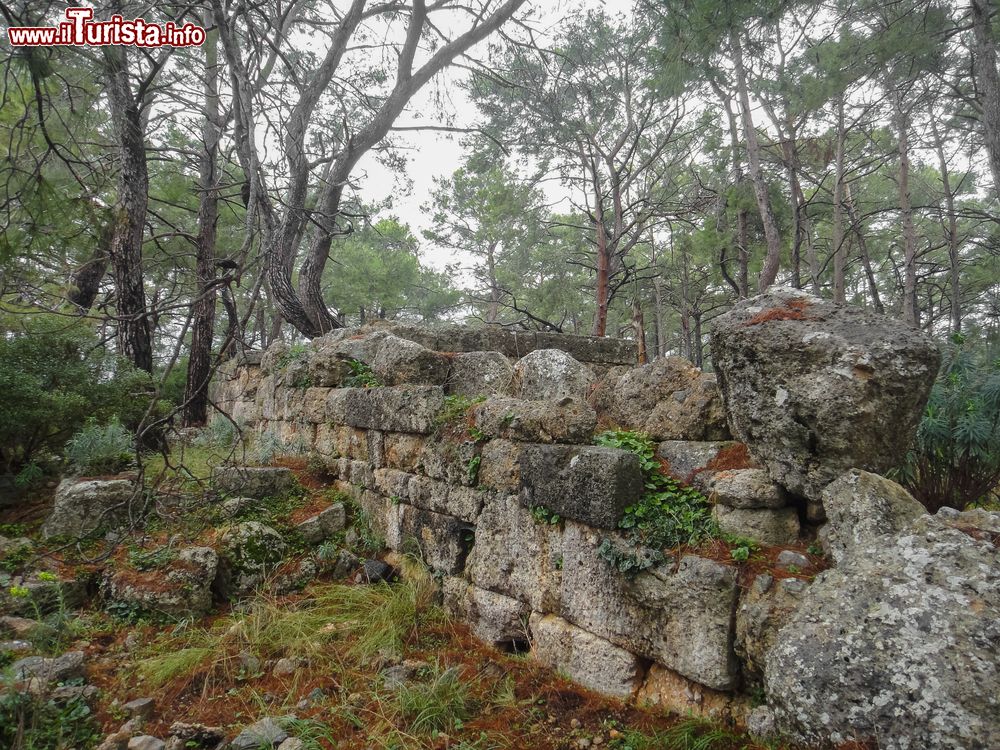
(955, 460)
(53, 376)
(33, 722)
(100, 449)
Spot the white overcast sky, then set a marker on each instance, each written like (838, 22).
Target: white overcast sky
(433, 154)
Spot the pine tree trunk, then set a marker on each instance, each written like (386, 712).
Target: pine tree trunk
(839, 246)
(910, 312)
(984, 62)
(951, 232)
(203, 331)
(125, 251)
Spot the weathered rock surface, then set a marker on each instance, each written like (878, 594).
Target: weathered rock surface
(550, 375)
(249, 551)
(49, 670)
(669, 399)
(182, 589)
(397, 408)
(593, 662)
(764, 525)
(861, 507)
(670, 691)
(479, 374)
(809, 385)
(324, 524)
(493, 618)
(45, 595)
(568, 420)
(898, 645)
(765, 608)
(681, 618)
(399, 361)
(696, 462)
(516, 556)
(589, 484)
(746, 488)
(441, 541)
(83, 507)
(254, 481)
(262, 734)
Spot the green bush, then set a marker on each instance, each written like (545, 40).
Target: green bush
(955, 460)
(100, 449)
(32, 722)
(54, 375)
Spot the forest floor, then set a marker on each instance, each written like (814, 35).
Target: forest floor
(347, 665)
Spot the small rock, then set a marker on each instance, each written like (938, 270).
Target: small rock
(132, 641)
(132, 727)
(574, 723)
(303, 704)
(146, 742)
(324, 524)
(583, 742)
(198, 735)
(117, 741)
(58, 669)
(19, 627)
(249, 664)
(292, 743)
(790, 558)
(284, 667)
(760, 723)
(262, 734)
(141, 707)
(376, 571)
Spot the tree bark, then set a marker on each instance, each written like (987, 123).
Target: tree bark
(85, 283)
(866, 259)
(951, 231)
(769, 271)
(984, 61)
(125, 251)
(837, 240)
(911, 313)
(203, 330)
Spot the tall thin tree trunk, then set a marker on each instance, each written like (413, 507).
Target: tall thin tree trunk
(951, 232)
(984, 61)
(203, 331)
(742, 235)
(493, 313)
(911, 314)
(85, 282)
(772, 261)
(839, 246)
(866, 258)
(125, 251)
(639, 329)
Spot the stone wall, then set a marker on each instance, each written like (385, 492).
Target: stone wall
(457, 486)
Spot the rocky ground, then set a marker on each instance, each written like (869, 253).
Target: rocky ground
(259, 612)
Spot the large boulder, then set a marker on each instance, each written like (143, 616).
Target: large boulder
(897, 645)
(550, 374)
(669, 399)
(812, 387)
(83, 507)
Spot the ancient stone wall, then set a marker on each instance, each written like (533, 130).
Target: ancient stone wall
(457, 484)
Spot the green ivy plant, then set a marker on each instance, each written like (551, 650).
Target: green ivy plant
(669, 514)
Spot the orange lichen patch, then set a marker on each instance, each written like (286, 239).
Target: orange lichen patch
(794, 309)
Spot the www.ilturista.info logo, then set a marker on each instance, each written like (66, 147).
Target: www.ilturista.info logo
(79, 30)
